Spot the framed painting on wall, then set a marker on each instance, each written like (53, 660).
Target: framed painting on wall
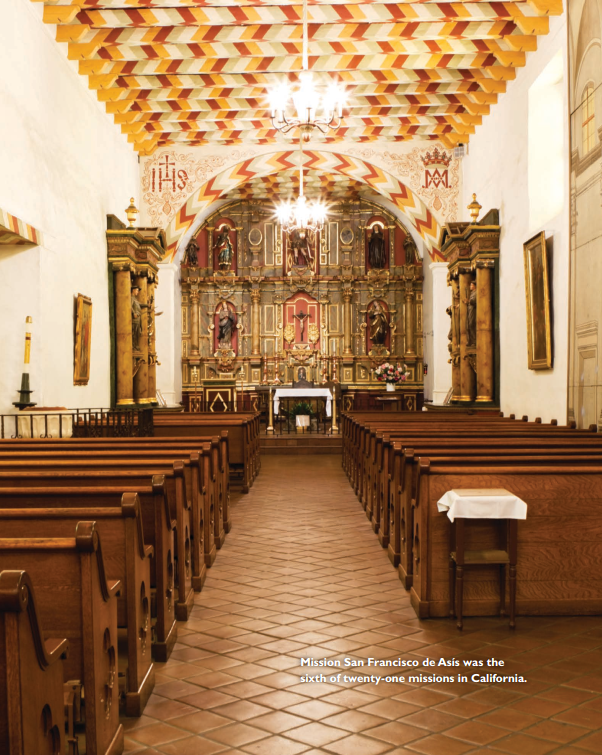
(83, 338)
(537, 288)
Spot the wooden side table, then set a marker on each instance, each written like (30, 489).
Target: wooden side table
(465, 505)
(460, 559)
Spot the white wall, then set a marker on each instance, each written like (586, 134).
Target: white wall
(497, 169)
(65, 166)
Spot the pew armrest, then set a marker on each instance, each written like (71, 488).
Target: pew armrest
(114, 586)
(56, 648)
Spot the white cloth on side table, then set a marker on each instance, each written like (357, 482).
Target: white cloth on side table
(482, 503)
(303, 393)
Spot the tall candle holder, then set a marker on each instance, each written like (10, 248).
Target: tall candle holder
(25, 391)
(334, 370)
(277, 380)
(264, 380)
(324, 381)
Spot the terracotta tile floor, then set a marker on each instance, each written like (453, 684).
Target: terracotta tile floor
(302, 575)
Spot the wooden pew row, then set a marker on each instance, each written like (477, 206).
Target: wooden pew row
(182, 479)
(243, 433)
(403, 495)
(215, 474)
(377, 467)
(126, 559)
(367, 459)
(32, 715)
(380, 476)
(158, 526)
(559, 544)
(74, 600)
(362, 431)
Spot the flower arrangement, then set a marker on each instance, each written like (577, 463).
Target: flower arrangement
(393, 374)
(301, 408)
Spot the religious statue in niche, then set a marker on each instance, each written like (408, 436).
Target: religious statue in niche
(471, 315)
(136, 319)
(379, 324)
(299, 247)
(377, 256)
(410, 250)
(456, 317)
(191, 256)
(223, 247)
(227, 323)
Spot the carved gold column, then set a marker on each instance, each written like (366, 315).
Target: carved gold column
(210, 230)
(467, 374)
(255, 322)
(123, 336)
(484, 330)
(152, 343)
(141, 366)
(194, 322)
(455, 353)
(410, 336)
(347, 296)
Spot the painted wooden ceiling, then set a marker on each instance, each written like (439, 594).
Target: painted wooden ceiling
(196, 72)
(285, 186)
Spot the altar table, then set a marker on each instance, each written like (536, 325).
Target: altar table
(301, 393)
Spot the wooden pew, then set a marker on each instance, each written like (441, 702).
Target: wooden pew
(242, 433)
(560, 553)
(208, 492)
(403, 504)
(366, 464)
(126, 558)
(76, 601)
(90, 474)
(32, 716)
(386, 481)
(158, 526)
(139, 472)
(218, 447)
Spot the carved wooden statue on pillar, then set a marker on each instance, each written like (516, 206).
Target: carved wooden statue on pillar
(472, 251)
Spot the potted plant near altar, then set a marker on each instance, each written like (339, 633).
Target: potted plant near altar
(302, 412)
(391, 374)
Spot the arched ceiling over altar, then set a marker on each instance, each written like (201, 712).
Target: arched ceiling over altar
(285, 185)
(196, 72)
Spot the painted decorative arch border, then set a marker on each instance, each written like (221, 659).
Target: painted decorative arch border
(382, 182)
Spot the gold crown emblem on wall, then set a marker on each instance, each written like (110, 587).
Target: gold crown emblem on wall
(436, 157)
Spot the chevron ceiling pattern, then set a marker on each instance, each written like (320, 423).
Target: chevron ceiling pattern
(197, 72)
(285, 186)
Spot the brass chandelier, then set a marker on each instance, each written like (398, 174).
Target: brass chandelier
(314, 110)
(301, 215)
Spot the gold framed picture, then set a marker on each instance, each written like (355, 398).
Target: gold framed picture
(537, 288)
(83, 339)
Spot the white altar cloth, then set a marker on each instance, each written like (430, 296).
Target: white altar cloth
(303, 393)
(492, 503)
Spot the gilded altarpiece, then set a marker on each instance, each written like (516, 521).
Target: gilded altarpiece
(295, 301)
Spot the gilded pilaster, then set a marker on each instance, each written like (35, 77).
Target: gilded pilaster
(123, 336)
(255, 322)
(141, 357)
(467, 373)
(484, 330)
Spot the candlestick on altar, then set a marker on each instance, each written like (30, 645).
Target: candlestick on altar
(334, 370)
(324, 381)
(270, 427)
(264, 380)
(277, 380)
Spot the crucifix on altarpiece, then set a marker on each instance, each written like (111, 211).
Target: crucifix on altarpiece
(302, 317)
